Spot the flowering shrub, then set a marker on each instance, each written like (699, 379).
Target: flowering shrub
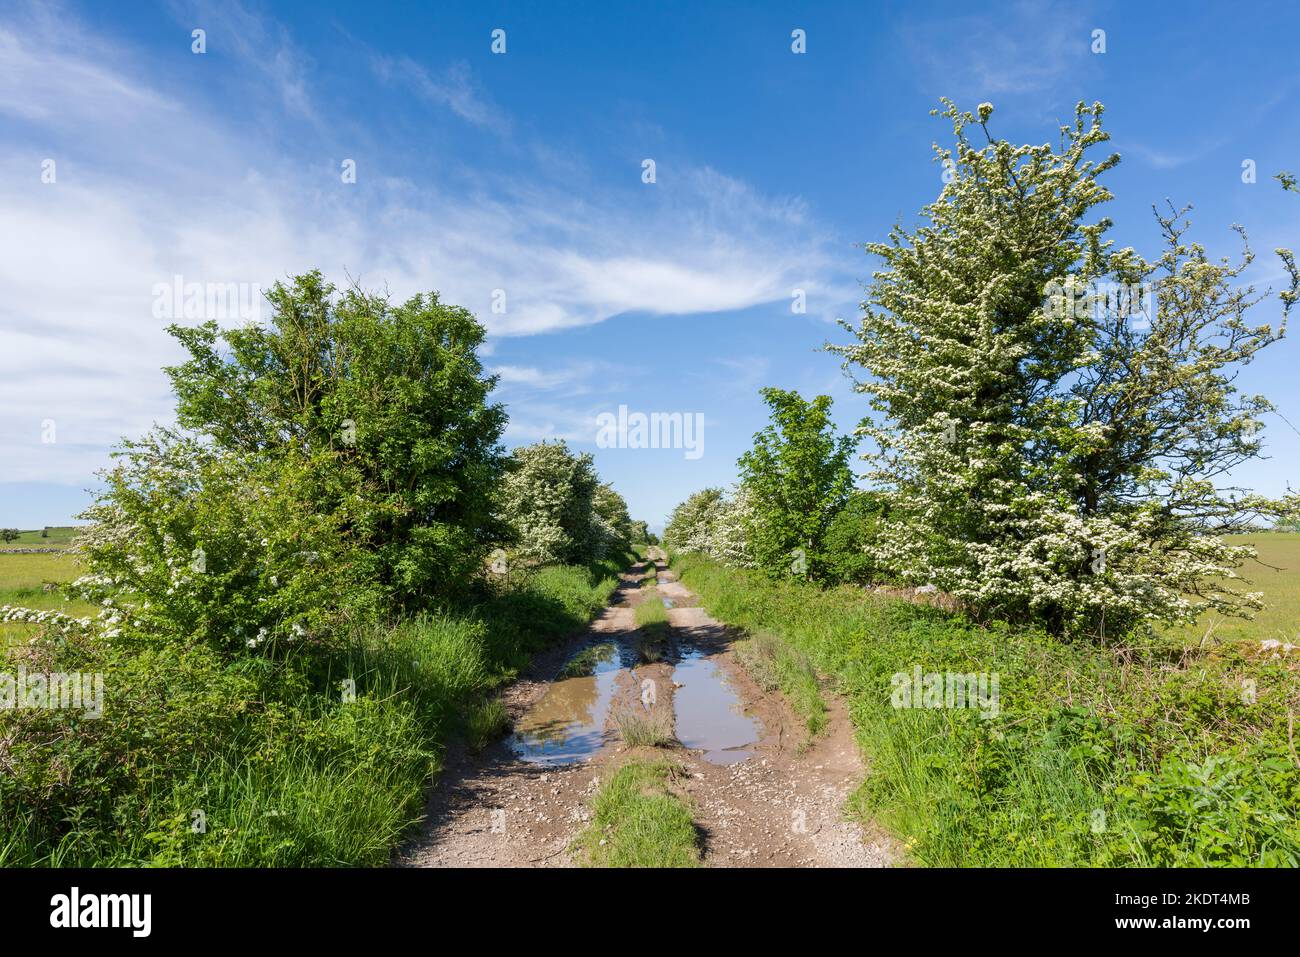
(733, 521)
(690, 526)
(194, 545)
(1047, 464)
(714, 524)
(556, 509)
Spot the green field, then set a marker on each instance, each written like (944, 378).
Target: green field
(57, 536)
(22, 582)
(1277, 575)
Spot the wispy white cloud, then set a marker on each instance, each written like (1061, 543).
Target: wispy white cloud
(744, 374)
(1170, 158)
(149, 188)
(260, 44)
(1026, 48)
(574, 377)
(76, 86)
(454, 89)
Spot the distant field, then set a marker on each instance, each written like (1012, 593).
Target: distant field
(59, 536)
(1280, 617)
(22, 578)
(21, 581)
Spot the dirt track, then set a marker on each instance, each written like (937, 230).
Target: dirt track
(782, 806)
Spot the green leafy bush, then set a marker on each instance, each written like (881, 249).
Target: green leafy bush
(795, 479)
(191, 544)
(388, 404)
(846, 545)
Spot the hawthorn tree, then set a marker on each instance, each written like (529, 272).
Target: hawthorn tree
(690, 526)
(1045, 450)
(731, 527)
(611, 512)
(549, 502)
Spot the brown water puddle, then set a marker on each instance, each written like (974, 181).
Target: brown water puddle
(709, 715)
(569, 723)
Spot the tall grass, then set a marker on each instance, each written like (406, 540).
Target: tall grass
(778, 666)
(1150, 754)
(642, 730)
(318, 759)
(652, 614)
(652, 622)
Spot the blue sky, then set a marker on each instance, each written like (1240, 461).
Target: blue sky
(522, 172)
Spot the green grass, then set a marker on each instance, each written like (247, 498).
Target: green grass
(22, 582)
(652, 613)
(286, 768)
(1151, 755)
(486, 722)
(31, 571)
(777, 666)
(644, 730)
(652, 622)
(639, 822)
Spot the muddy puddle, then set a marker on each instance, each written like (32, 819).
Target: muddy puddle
(568, 724)
(708, 712)
(571, 721)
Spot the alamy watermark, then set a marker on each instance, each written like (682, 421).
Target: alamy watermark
(658, 430)
(946, 689)
(75, 909)
(1136, 302)
(179, 299)
(56, 691)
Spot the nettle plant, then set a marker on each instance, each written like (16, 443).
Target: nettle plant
(1062, 465)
